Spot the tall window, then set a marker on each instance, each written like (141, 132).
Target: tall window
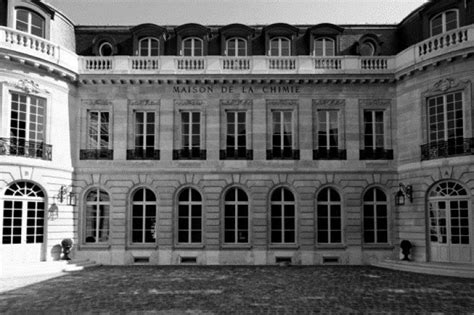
(23, 214)
(97, 216)
(236, 136)
(149, 46)
(27, 125)
(189, 216)
(236, 47)
(282, 133)
(328, 132)
(30, 22)
(373, 129)
(191, 133)
(236, 216)
(98, 137)
(193, 47)
(280, 47)
(145, 133)
(143, 216)
(329, 216)
(375, 217)
(324, 47)
(283, 216)
(444, 22)
(445, 116)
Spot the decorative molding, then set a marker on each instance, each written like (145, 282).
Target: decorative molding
(282, 102)
(26, 85)
(329, 102)
(188, 102)
(375, 102)
(144, 102)
(236, 102)
(447, 84)
(96, 102)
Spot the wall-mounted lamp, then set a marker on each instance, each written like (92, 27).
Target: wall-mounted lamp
(402, 193)
(65, 194)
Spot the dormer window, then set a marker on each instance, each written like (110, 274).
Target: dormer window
(280, 47)
(236, 47)
(106, 49)
(149, 46)
(444, 22)
(192, 47)
(367, 48)
(324, 47)
(30, 22)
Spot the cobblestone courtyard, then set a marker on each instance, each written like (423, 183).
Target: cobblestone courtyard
(216, 290)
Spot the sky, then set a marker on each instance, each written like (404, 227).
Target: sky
(222, 12)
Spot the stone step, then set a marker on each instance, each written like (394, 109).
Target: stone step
(441, 269)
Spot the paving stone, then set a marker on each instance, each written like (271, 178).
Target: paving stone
(232, 289)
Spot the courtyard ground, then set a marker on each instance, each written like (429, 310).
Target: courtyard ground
(225, 289)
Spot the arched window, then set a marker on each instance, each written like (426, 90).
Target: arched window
(375, 217)
(149, 46)
(97, 216)
(23, 214)
(106, 49)
(280, 47)
(236, 47)
(449, 223)
(189, 216)
(444, 22)
(143, 216)
(324, 47)
(367, 48)
(236, 216)
(283, 216)
(193, 47)
(30, 22)
(329, 216)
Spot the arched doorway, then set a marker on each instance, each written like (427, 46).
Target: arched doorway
(450, 223)
(22, 218)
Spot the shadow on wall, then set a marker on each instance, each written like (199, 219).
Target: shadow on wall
(56, 252)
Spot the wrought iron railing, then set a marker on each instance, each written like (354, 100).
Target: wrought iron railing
(233, 154)
(143, 154)
(25, 148)
(376, 154)
(189, 154)
(283, 154)
(331, 154)
(443, 149)
(96, 154)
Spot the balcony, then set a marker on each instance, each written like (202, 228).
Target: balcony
(38, 52)
(96, 154)
(283, 154)
(141, 154)
(376, 154)
(331, 154)
(189, 154)
(444, 149)
(24, 148)
(236, 154)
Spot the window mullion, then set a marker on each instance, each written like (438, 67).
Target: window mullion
(445, 117)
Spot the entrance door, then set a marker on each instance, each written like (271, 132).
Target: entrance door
(23, 220)
(450, 223)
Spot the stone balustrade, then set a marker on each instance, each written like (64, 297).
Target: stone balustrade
(23, 45)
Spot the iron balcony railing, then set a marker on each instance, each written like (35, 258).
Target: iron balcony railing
(376, 154)
(143, 154)
(236, 154)
(283, 154)
(96, 154)
(331, 154)
(25, 148)
(443, 149)
(189, 154)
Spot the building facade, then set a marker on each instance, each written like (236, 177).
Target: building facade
(237, 144)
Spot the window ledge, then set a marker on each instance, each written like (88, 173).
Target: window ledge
(284, 246)
(189, 246)
(377, 246)
(236, 246)
(331, 246)
(94, 246)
